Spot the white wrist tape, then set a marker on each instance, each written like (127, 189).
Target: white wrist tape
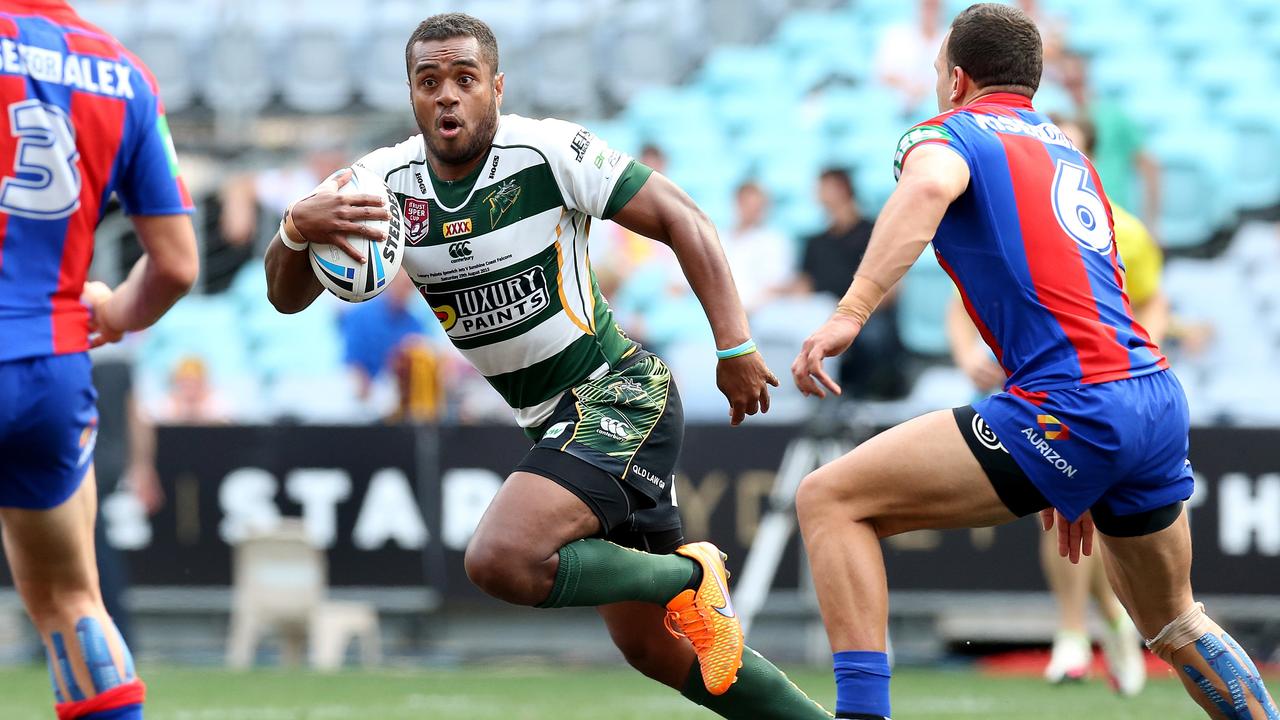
(288, 241)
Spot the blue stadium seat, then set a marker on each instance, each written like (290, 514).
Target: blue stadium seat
(1118, 71)
(1193, 203)
(810, 32)
(1100, 30)
(660, 110)
(733, 68)
(1235, 70)
(1255, 172)
(923, 297)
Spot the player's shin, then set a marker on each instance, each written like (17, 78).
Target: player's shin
(92, 672)
(1215, 670)
(597, 572)
(762, 692)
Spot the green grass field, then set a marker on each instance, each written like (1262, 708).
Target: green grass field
(569, 694)
(540, 693)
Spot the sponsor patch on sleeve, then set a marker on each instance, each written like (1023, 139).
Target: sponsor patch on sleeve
(916, 136)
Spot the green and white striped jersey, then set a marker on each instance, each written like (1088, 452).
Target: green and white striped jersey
(501, 255)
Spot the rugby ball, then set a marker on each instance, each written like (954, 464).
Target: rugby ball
(341, 274)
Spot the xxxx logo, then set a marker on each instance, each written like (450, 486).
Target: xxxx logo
(457, 228)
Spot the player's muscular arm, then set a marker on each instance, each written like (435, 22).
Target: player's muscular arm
(932, 179)
(164, 273)
(324, 217)
(664, 212)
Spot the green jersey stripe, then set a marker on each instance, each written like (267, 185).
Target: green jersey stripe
(545, 380)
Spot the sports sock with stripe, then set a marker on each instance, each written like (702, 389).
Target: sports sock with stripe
(862, 685)
(762, 692)
(597, 572)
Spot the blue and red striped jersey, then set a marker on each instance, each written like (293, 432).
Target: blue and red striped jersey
(1029, 245)
(81, 119)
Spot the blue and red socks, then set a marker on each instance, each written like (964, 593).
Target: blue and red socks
(862, 685)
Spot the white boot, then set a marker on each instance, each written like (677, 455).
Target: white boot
(1126, 661)
(1071, 657)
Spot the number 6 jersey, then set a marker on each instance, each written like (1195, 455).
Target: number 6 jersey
(1029, 246)
(501, 255)
(81, 119)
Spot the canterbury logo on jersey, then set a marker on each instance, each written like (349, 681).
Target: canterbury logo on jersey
(457, 228)
(83, 73)
(614, 428)
(492, 307)
(460, 250)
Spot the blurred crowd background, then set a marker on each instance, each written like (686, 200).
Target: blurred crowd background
(780, 117)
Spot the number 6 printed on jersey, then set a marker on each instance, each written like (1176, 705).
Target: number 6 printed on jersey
(46, 182)
(1078, 208)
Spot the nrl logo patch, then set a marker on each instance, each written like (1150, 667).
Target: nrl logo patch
(416, 216)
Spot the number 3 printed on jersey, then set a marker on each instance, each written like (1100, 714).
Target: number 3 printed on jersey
(1078, 208)
(45, 184)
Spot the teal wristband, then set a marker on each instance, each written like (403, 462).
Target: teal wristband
(745, 348)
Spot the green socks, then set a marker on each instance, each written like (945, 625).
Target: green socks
(597, 572)
(762, 692)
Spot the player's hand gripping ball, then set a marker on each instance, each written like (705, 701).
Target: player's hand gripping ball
(343, 275)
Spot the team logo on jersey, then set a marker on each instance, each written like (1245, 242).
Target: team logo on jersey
(916, 136)
(416, 216)
(457, 228)
(501, 200)
(492, 307)
(1054, 429)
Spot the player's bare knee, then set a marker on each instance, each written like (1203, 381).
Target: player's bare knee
(506, 570)
(61, 607)
(815, 497)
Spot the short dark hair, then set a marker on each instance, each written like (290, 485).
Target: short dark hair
(841, 177)
(997, 45)
(454, 25)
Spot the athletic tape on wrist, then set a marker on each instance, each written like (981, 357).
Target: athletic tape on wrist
(288, 241)
(861, 300)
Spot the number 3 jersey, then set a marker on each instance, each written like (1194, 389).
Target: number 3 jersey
(1029, 246)
(501, 255)
(81, 119)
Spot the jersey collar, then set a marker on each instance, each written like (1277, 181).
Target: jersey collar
(1007, 99)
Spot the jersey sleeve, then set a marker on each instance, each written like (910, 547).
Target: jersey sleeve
(594, 178)
(149, 182)
(929, 132)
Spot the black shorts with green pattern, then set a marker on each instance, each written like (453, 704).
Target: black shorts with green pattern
(614, 443)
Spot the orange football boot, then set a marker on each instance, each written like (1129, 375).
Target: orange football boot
(706, 617)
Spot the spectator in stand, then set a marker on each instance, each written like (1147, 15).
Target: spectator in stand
(245, 196)
(904, 58)
(762, 259)
(873, 370)
(192, 399)
(1118, 153)
(372, 331)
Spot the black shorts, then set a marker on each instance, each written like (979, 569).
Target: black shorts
(614, 442)
(1021, 496)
